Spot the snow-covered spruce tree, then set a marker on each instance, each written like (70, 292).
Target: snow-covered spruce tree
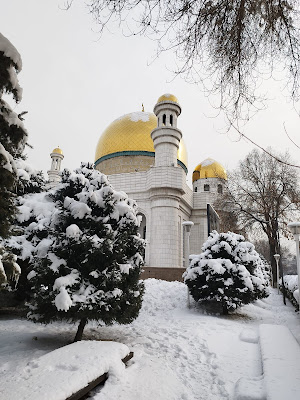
(30, 239)
(29, 180)
(266, 268)
(246, 254)
(227, 272)
(13, 135)
(9, 270)
(93, 261)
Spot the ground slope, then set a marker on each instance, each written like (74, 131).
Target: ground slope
(180, 353)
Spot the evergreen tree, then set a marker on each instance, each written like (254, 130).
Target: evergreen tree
(9, 270)
(228, 272)
(12, 132)
(87, 266)
(29, 180)
(30, 235)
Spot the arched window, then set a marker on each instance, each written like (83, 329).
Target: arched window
(142, 227)
(220, 189)
(206, 188)
(164, 119)
(171, 120)
(196, 189)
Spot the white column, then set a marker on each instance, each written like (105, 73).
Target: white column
(164, 233)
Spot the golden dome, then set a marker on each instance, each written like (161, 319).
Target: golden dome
(131, 135)
(209, 168)
(167, 97)
(57, 150)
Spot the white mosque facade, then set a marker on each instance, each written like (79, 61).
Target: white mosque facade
(144, 155)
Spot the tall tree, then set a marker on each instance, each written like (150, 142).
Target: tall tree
(230, 42)
(13, 135)
(265, 194)
(84, 251)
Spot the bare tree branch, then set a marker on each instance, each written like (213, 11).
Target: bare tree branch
(290, 137)
(242, 135)
(263, 192)
(227, 42)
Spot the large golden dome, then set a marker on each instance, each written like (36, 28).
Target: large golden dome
(209, 168)
(129, 135)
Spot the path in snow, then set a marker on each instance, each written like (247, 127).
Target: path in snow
(172, 359)
(184, 354)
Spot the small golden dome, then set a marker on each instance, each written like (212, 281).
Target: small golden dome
(131, 133)
(167, 97)
(57, 150)
(209, 168)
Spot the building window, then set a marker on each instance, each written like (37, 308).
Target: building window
(196, 189)
(164, 119)
(142, 228)
(206, 188)
(171, 120)
(220, 189)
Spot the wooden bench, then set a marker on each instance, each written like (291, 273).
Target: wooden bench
(67, 373)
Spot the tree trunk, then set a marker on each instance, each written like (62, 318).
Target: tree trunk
(273, 245)
(225, 309)
(80, 329)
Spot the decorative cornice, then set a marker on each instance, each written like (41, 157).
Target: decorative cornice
(134, 153)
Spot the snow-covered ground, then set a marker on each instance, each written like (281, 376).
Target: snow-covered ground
(179, 353)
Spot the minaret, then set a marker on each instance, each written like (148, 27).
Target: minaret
(166, 136)
(166, 183)
(54, 173)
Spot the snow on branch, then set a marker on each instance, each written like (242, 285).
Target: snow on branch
(11, 52)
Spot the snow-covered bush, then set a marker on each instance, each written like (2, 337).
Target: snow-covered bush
(266, 268)
(13, 135)
(3, 277)
(292, 291)
(228, 271)
(9, 270)
(84, 252)
(29, 180)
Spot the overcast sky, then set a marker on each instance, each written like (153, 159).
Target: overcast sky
(75, 85)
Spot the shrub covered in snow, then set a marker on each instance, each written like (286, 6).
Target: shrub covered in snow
(9, 270)
(83, 249)
(228, 272)
(265, 267)
(13, 135)
(292, 291)
(29, 180)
